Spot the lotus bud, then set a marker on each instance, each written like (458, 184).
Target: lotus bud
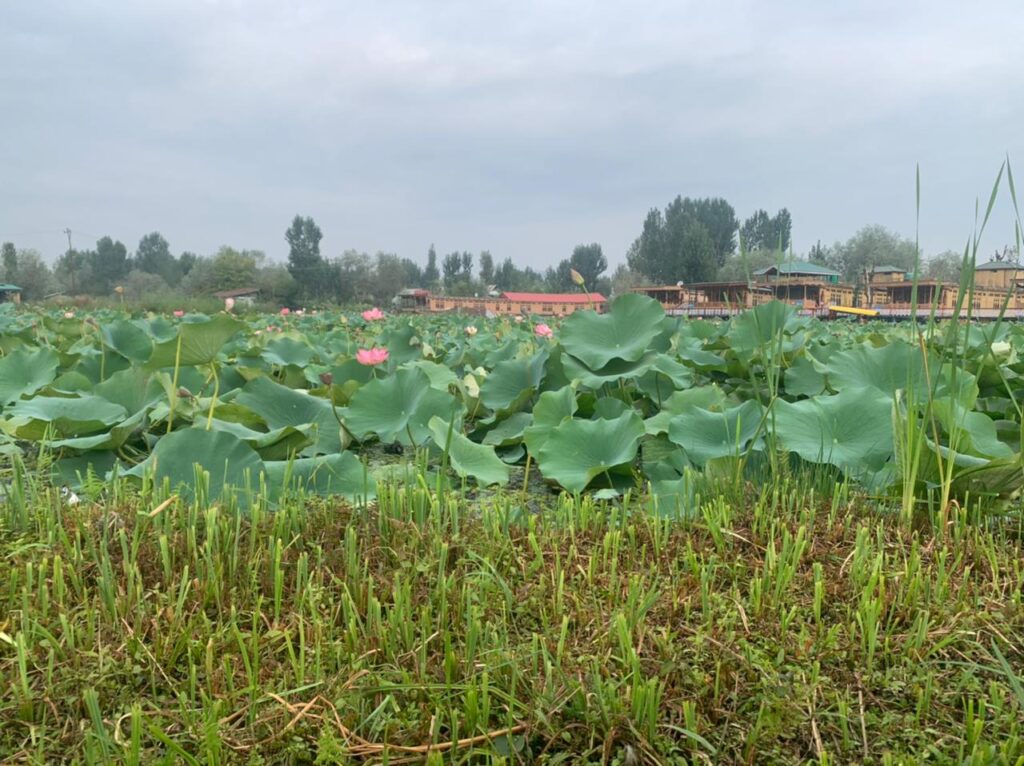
(184, 393)
(576, 277)
(119, 290)
(326, 378)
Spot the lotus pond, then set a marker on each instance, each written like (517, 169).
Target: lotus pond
(632, 400)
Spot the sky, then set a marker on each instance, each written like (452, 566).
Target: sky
(521, 128)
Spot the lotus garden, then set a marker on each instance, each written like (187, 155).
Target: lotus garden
(330, 537)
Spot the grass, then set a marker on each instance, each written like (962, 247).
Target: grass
(781, 626)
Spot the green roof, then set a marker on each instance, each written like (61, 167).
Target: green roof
(1000, 266)
(799, 267)
(9, 289)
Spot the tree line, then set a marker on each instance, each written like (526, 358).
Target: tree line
(690, 240)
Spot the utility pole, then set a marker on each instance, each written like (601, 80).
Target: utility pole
(71, 262)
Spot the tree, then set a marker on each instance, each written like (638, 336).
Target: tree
(719, 218)
(623, 279)
(139, 284)
(467, 267)
(590, 262)
(486, 268)
(764, 232)
(73, 271)
(9, 257)
(871, 246)
(33, 276)
(819, 254)
(674, 246)
(354, 280)
(430, 274)
(451, 266)
(413, 273)
(153, 256)
(389, 277)
(305, 263)
(110, 264)
(945, 266)
(233, 268)
(275, 283)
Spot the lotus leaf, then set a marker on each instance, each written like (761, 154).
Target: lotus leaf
(468, 458)
(24, 372)
(577, 451)
(706, 435)
(398, 407)
(625, 333)
(851, 430)
(200, 342)
(280, 406)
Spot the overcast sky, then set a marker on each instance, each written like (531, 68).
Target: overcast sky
(523, 128)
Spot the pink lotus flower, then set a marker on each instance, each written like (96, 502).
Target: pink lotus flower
(372, 356)
(373, 314)
(542, 331)
(229, 303)
(471, 331)
(285, 311)
(179, 313)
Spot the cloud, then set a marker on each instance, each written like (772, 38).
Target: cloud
(520, 128)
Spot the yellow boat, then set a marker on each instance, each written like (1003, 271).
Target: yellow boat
(854, 311)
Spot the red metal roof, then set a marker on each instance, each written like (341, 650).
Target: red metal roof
(554, 297)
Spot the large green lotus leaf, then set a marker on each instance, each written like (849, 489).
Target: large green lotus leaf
(709, 435)
(690, 350)
(508, 380)
(113, 439)
(509, 431)
(402, 343)
(68, 383)
(803, 378)
(969, 431)
(664, 376)
(398, 406)
(25, 372)
(280, 406)
(851, 430)
(201, 342)
(899, 365)
(342, 474)
(765, 330)
(287, 351)
(74, 469)
(552, 408)
(624, 333)
(468, 458)
(279, 444)
(231, 463)
(577, 451)
(706, 397)
(127, 339)
(441, 377)
(63, 417)
(611, 373)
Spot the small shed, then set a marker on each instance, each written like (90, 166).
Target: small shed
(10, 294)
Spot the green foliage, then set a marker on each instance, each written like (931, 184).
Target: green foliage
(871, 246)
(305, 263)
(688, 243)
(767, 233)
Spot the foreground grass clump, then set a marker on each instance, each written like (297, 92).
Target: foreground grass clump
(780, 628)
